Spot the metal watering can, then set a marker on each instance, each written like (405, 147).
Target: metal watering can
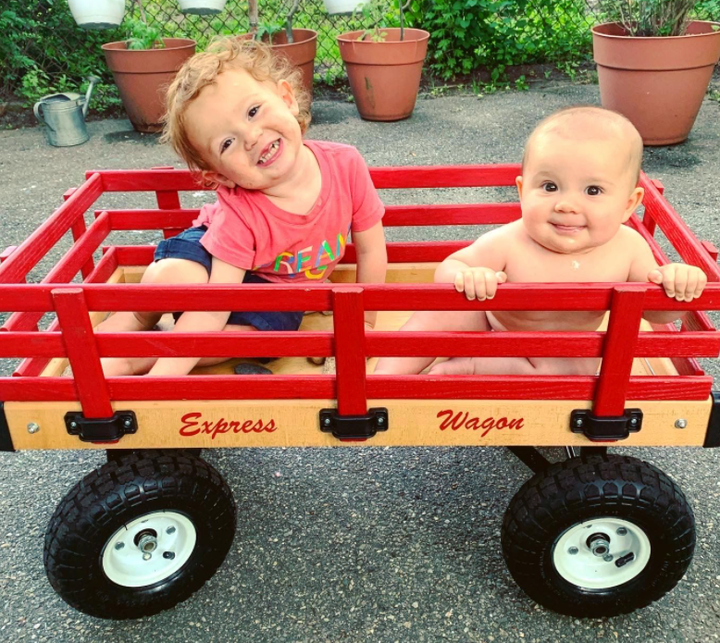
(64, 116)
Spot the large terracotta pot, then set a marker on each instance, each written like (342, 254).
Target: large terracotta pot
(384, 75)
(143, 75)
(658, 83)
(300, 53)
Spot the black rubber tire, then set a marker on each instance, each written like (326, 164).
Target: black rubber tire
(118, 492)
(582, 489)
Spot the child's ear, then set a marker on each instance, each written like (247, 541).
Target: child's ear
(634, 201)
(288, 96)
(211, 178)
(519, 183)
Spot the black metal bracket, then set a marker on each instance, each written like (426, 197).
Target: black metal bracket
(354, 427)
(602, 428)
(712, 436)
(101, 429)
(6, 443)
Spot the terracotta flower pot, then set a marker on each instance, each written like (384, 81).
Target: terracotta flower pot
(384, 76)
(300, 53)
(658, 83)
(143, 75)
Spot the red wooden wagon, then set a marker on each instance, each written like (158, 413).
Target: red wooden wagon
(597, 534)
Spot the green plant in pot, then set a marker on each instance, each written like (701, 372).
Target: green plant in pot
(299, 46)
(384, 62)
(654, 64)
(143, 65)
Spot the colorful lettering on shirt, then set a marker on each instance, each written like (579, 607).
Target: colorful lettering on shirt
(300, 262)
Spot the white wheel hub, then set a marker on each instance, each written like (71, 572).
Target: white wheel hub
(149, 549)
(601, 553)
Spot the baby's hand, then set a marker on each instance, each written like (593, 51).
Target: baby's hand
(679, 280)
(479, 283)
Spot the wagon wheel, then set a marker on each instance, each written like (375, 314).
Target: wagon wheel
(598, 536)
(139, 535)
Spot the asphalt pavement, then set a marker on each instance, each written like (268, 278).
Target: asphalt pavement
(363, 544)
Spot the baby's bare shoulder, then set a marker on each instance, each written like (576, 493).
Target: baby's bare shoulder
(631, 241)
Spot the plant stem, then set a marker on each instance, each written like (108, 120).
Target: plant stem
(253, 16)
(288, 21)
(402, 8)
(143, 17)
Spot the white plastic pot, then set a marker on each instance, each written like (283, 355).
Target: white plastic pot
(342, 6)
(202, 7)
(97, 14)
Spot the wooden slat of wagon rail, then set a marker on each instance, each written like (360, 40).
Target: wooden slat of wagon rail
(435, 176)
(536, 344)
(104, 272)
(36, 246)
(147, 180)
(294, 423)
(397, 252)
(395, 216)
(380, 343)
(65, 269)
(677, 231)
(393, 386)
(445, 176)
(36, 297)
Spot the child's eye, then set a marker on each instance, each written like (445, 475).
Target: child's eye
(253, 111)
(593, 190)
(225, 144)
(549, 186)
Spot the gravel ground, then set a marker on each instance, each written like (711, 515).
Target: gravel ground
(365, 544)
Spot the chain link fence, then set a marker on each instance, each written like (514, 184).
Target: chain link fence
(43, 50)
(234, 19)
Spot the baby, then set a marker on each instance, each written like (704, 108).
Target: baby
(579, 184)
(285, 206)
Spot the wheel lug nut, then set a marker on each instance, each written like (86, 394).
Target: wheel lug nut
(572, 551)
(119, 546)
(169, 555)
(170, 530)
(621, 531)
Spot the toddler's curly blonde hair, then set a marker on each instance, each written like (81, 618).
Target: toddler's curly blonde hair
(201, 70)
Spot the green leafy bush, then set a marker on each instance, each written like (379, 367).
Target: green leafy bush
(42, 51)
(467, 34)
(648, 18)
(141, 35)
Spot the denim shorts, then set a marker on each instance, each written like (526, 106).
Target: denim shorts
(187, 245)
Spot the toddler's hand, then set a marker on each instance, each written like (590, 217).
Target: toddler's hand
(680, 281)
(479, 283)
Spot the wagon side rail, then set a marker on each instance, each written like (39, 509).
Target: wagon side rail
(351, 345)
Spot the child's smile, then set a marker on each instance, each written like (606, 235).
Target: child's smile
(270, 153)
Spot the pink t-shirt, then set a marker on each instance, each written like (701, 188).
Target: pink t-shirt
(247, 230)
